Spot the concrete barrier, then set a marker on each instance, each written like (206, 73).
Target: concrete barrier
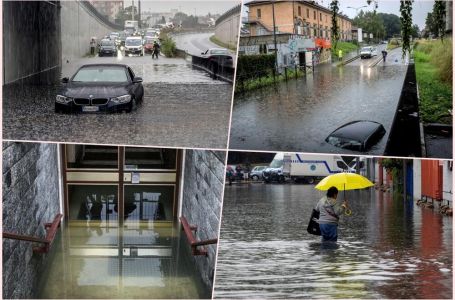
(227, 27)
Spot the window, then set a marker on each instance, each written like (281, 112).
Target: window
(308, 13)
(258, 13)
(314, 14)
(320, 16)
(299, 11)
(326, 19)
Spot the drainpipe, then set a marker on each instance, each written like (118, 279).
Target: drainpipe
(381, 173)
(274, 36)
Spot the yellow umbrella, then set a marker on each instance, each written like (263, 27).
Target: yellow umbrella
(344, 181)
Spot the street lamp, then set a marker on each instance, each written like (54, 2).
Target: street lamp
(357, 8)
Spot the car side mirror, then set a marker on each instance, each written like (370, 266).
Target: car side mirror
(137, 80)
(65, 80)
(202, 53)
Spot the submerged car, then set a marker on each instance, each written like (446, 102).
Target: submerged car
(100, 88)
(357, 135)
(256, 173)
(218, 56)
(107, 48)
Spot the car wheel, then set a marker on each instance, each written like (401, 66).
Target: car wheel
(310, 180)
(255, 177)
(281, 179)
(133, 105)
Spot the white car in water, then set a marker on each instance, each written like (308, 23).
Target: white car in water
(368, 52)
(133, 45)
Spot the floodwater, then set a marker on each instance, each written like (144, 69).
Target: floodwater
(182, 107)
(299, 114)
(388, 248)
(98, 261)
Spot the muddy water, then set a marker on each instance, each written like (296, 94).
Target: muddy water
(388, 248)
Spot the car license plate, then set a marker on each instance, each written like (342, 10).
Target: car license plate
(90, 108)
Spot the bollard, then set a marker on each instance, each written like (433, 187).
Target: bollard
(286, 73)
(295, 70)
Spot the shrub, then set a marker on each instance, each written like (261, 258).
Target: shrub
(254, 66)
(441, 57)
(168, 47)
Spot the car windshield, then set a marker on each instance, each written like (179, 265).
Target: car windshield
(107, 43)
(100, 74)
(133, 42)
(276, 163)
(366, 49)
(219, 51)
(149, 41)
(344, 143)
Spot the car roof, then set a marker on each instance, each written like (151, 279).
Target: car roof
(134, 37)
(104, 65)
(358, 130)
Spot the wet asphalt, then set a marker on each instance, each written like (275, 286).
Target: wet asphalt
(182, 107)
(299, 114)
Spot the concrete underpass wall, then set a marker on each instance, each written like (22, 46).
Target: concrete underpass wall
(227, 27)
(31, 41)
(447, 181)
(79, 25)
(201, 203)
(30, 199)
(417, 180)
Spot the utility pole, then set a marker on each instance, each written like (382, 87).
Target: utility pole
(139, 13)
(132, 10)
(274, 35)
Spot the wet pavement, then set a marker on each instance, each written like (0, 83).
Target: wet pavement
(388, 248)
(182, 107)
(195, 43)
(299, 114)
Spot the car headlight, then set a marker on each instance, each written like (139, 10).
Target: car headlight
(121, 99)
(63, 99)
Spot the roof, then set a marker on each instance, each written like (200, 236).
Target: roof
(305, 2)
(357, 130)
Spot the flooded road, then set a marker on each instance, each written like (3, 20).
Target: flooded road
(388, 248)
(300, 114)
(182, 107)
(103, 262)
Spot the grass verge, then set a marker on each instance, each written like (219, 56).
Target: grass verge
(216, 41)
(435, 93)
(268, 80)
(346, 47)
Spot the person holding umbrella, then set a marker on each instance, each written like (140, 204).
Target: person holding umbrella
(329, 208)
(330, 211)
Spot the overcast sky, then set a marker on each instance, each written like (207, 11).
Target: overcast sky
(420, 8)
(419, 12)
(189, 7)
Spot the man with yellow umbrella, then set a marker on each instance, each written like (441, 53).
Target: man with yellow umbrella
(329, 208)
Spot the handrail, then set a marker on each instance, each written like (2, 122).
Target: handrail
(51, 231)
(188, 229)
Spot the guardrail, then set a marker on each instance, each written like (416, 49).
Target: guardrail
(188, 229)
(51, 231)
(218, 69)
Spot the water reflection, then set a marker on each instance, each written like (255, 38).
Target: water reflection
(138, 260)
(388, 248)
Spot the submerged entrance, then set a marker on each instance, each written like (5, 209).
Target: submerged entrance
(120, 238)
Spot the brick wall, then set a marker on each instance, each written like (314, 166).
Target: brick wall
(30, 199)
(201, 203)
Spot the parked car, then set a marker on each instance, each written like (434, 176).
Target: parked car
(133, 45)
(256, 173)
(148, 44)
(368, 52)
(357, 135)
(107, 48)
(218, 57)
(100, 88)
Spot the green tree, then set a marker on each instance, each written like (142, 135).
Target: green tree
(370, 22)
(334, 6)
(415, 31)
(126, 14)
(439, 14)
(406, 25)
(391, 23)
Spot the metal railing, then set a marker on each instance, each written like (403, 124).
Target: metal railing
(188, 229)
(51, 231)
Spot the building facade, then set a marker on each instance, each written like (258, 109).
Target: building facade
(108, 8)
(302, 17)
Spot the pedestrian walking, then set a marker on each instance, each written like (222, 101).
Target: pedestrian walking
(92, 46)
(384, 55)
(340, 55)
(156, 50)
(330, 211)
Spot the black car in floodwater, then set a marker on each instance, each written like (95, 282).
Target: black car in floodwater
(357, 135)
(100, 88)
